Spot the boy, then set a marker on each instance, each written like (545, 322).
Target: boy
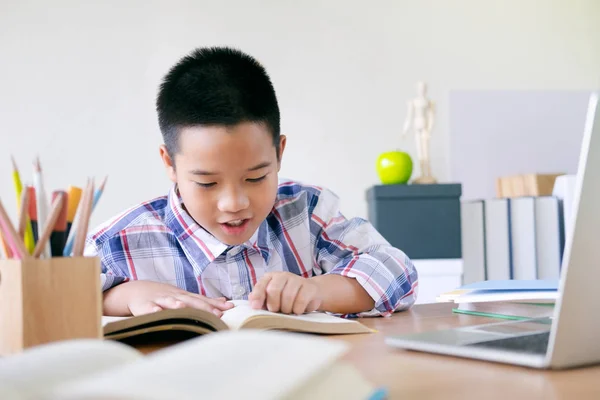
(228, 229)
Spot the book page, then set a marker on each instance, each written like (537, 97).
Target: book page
(39, 368)
(223, 365)
(235, 317)
(106, 319)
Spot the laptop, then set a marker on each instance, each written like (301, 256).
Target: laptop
(569, 338)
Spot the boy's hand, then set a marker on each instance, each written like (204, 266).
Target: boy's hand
(286, 293)
(143, 297)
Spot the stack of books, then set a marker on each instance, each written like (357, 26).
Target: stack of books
(507, 299)
(512, 238)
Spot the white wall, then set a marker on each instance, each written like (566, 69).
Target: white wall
(512, 132)
(78, 80)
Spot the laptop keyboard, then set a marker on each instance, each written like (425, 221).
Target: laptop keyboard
(536, 343)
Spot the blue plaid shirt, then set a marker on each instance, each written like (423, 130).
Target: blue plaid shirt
(304, 234)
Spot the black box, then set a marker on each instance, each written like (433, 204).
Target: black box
(421, 220)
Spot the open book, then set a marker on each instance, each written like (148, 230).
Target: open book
(242, 316)
(247, 364)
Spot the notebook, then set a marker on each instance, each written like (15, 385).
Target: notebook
(543, 290)
(242, 316)
(512, 310)
(226, 365)
(506, 299)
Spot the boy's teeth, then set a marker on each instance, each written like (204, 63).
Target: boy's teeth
(235, 223)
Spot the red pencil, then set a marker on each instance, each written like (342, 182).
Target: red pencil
(33, 213)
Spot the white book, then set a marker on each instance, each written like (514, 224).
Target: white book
(497, 239)
(523, 237)
(246, 364)
(564, 189)
(538, 296)
(473, 240)
(550, 236)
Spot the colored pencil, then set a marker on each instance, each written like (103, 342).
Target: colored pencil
(24, 209)
(4, 250)
(82, 228)
(99, 192)
(58, 238)
(57, 207)
(33, 214)
(74, 194)
(42, 202)
(72, 232)
(11, 236)
(28, 235)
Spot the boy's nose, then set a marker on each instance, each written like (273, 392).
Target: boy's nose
(233, 201)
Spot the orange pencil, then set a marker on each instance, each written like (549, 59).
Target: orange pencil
(74, 194)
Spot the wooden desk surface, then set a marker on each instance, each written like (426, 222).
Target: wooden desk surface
(414, 375)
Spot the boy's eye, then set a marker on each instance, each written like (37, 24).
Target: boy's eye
(205, 185)
(256, 179)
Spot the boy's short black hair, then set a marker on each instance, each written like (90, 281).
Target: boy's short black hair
(216, 86)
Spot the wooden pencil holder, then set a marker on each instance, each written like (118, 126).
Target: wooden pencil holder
(47, 300)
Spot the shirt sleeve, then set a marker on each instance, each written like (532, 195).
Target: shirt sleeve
(109, 275)
(354, 248)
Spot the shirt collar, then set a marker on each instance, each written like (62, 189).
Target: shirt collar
(260, 241)
(200, 246)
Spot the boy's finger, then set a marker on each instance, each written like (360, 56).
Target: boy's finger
(170, 302)
(194, 302)
(288, 295)
(302, 299)
(313, 305)
(145, 307)
(220, 304)
(274, 290)
(259, 293)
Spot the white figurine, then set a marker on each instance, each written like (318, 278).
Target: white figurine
(420, 115)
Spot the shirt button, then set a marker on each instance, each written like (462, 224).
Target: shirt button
(238, 290)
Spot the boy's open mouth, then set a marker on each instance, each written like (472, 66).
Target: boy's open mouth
(235, 227)
(237, 222)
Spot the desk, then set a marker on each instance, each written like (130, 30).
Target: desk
(413, 375)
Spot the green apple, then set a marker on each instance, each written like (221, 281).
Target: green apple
(394, 167)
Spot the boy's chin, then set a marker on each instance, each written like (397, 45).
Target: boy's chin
(232, 242)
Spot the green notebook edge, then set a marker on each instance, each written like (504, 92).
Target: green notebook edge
(489, 315)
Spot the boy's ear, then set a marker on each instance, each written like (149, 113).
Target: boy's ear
(169, 163)
(282, 142)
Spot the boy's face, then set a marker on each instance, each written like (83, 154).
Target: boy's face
(227, 177)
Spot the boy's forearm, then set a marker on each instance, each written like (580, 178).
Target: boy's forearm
(116, 300)
(342, 295)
